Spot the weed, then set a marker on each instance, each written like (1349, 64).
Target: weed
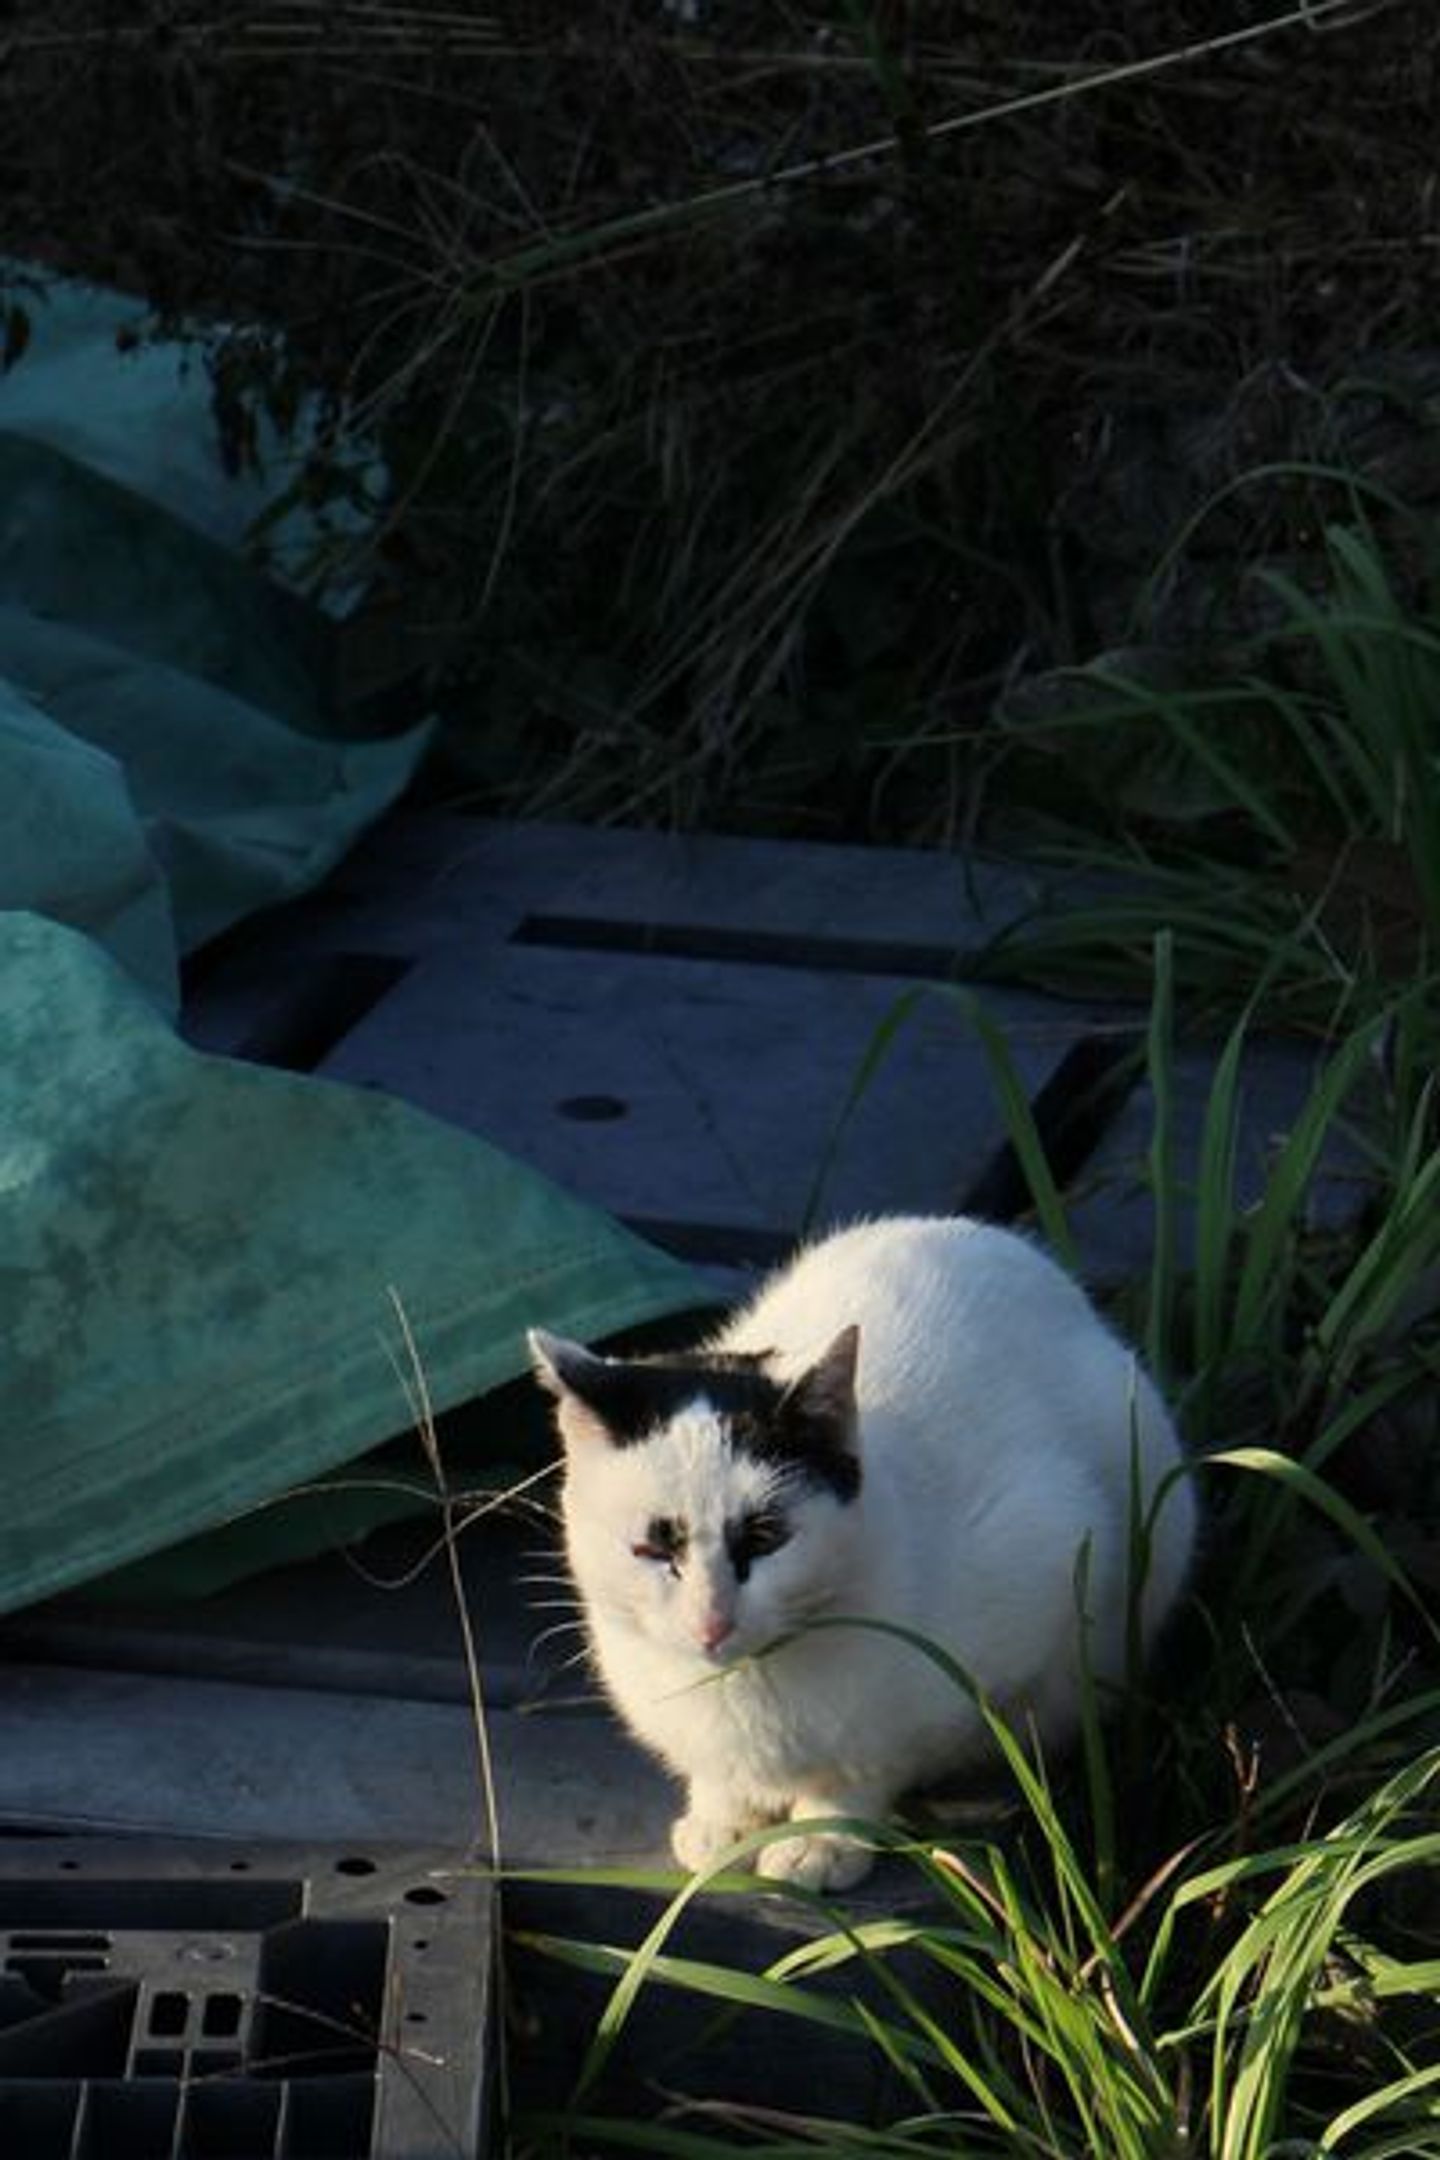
(1313, 880)
(766, 393)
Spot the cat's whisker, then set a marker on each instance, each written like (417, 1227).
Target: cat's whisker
(556, 1665)
(551, 1634)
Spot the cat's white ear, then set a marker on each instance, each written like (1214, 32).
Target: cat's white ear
(828, 1386)
(569, 1372)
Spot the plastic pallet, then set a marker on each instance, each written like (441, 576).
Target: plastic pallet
(209, 2002)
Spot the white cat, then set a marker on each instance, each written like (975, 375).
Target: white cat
(918, 1421)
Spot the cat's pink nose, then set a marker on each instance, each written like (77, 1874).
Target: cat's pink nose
(715, 1628)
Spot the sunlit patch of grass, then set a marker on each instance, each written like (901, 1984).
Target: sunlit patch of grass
(1226, 2002)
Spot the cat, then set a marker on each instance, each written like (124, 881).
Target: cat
(920, 1421)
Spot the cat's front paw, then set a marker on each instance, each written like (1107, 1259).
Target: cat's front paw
(697, 1841)
(820, 1860)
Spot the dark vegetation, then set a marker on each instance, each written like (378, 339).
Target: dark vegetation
(769, 399)
(882, 420)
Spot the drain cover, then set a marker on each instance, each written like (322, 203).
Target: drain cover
(176, 2002)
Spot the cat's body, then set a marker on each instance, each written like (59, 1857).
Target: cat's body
(960, 1468)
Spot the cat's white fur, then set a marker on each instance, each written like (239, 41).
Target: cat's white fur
(1002, 1431)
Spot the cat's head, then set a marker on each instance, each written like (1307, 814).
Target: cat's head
(708, 1503)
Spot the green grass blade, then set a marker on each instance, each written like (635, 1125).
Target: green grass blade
(1161, 1178)
(877, 1050)
(696, 1976)
(1304, 1484)
(1357, 1410)
(1405, 1244)
(1280, 1213)
(1020, 1128)
(1171, 711)
(1264, 1987)
(1216, 1228)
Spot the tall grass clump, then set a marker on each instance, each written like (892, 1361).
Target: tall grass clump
(1247, 2005)
(1282, 813)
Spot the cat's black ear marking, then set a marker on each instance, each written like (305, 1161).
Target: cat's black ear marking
(826, 1391)
(618, 1399)
(577, 1379)
(813, 1427)
(564, 1367)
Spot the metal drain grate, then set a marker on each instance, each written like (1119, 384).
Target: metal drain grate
(272, 2003)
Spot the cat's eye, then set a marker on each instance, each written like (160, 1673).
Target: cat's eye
(664, 1540)
(755, 1537)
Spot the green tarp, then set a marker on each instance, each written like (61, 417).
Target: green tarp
(202, 1264)
(163, 767)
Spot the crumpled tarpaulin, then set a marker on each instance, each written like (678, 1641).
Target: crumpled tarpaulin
(202, 1263)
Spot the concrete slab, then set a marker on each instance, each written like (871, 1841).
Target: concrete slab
(424, 880)
(686, 1096)
(99, 1751)
(670, 1025)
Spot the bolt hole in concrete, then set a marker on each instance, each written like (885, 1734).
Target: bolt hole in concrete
(354, 1865)
(425, 1894)
(593, 1109)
